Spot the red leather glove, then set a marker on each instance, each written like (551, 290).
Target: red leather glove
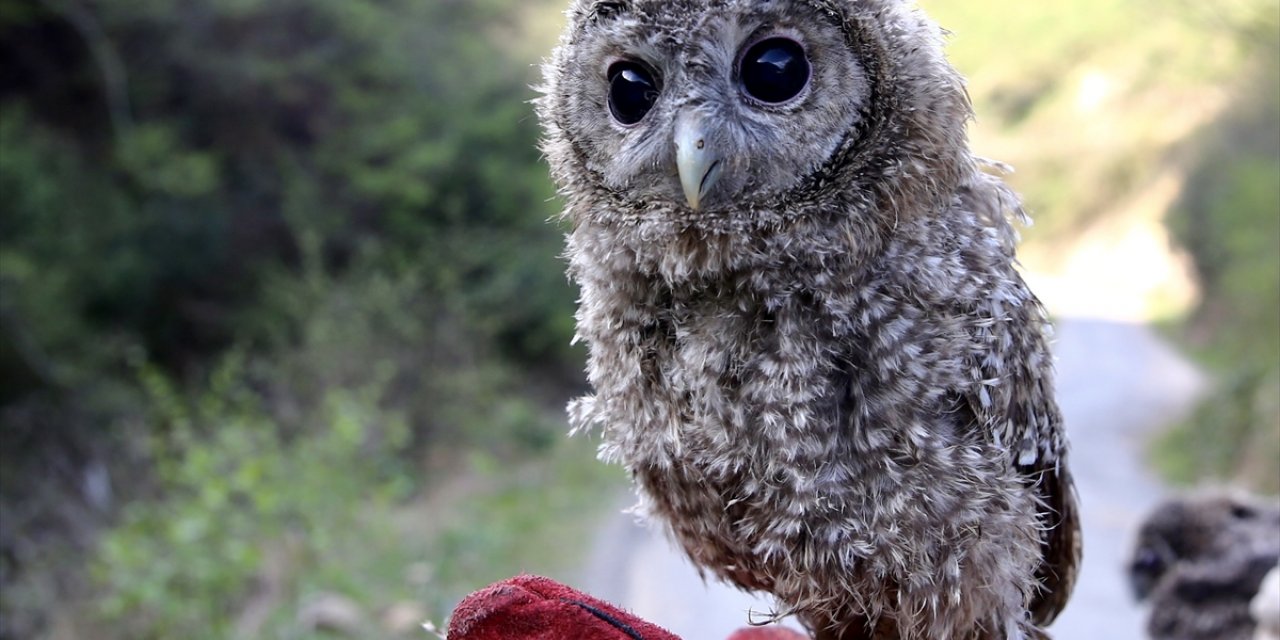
(537, 608)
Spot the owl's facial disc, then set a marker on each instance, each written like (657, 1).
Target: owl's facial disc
(707, 106)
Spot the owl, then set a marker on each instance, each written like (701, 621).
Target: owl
(808, 342)
(1201, 528)
(1200, 561)
(1209, 600)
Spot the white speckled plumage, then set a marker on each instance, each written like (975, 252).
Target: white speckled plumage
(828, 380)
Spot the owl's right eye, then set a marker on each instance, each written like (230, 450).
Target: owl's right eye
(1148, 561)
(632, 91)
(775, 70)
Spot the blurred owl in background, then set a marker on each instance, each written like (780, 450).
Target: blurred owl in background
(809, 344)
(1199, 561)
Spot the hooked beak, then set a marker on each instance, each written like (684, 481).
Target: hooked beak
(699, 165)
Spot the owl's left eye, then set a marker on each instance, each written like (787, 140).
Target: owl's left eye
(774, 70)
(632, 91)
(1148, 561)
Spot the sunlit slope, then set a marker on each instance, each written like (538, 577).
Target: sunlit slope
(1089, 99)
(1126, 120)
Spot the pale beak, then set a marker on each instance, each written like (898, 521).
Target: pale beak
(699, 165)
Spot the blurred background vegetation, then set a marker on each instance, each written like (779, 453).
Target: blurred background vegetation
(284, 338)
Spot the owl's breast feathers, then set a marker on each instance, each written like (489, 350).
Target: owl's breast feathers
(871, 434)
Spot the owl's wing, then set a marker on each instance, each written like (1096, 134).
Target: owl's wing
(1020, 411)
(1013, 399)
(1060, 543)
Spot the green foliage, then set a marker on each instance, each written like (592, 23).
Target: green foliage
(253, 127)
(230, 483)
(1096, 103)
(1229, 220)
(280, 261)
(1233, 436)
(45, 223)
(1088, 100)
(534, 518)
(331, 502)
(287, 466)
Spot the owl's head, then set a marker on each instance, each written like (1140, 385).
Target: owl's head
(714, 112)
(1195, 527)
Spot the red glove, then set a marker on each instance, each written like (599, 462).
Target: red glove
(536, 608)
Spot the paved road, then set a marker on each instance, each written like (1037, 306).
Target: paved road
(1117, 381)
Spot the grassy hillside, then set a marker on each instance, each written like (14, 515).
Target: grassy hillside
(1089, 100)
(1229, 218)
(1105, 107)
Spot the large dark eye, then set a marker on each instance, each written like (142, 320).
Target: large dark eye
(1243, 512)
(774, 70)
(1148, 561)
(632, 91)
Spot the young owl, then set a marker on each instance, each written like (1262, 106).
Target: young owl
(809, 345)
(1203, 528)
(1209, 600)
(1199, 561)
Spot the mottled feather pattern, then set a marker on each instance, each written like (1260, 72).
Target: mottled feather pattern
(834, 386)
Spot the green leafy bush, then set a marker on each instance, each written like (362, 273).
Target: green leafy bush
(250, 128)
(300, 453)
(294, 216)
(1229, 220)
(230, 484)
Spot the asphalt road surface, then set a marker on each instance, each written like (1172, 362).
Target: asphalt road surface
(1117, 382)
